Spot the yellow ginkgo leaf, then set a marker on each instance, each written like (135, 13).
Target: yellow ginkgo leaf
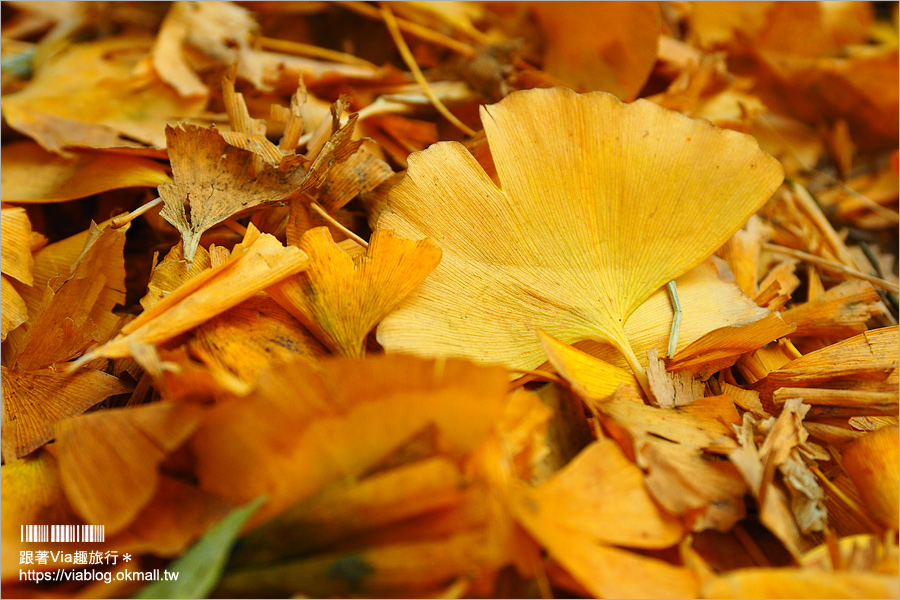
(92, 95)
(591, 377)
(15, 237)
(31, 174)
(340, 298)
(13, 311)
(35, 400)
(600, 204)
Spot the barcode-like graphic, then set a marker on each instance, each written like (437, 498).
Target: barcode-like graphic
(63, 533)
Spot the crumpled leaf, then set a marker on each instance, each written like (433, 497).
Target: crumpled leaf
(758, 467)
(217, 181)
(551, 249)
(341, 298)
(676, 448)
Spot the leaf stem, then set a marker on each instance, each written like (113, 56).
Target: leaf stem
(636, 367)
(676, 319)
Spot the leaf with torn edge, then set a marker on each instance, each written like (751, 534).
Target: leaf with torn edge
(75, 307)
(340, 298)
(554, 247)
(217, 180)
(34, 401)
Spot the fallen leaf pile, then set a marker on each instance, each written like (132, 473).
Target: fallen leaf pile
(453, 299)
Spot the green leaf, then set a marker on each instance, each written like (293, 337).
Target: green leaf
(200, 568)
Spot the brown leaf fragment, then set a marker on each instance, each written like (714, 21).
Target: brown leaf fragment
(686, 481)
(35, 400)
(127, 445)
(674, 446)
(839, 313)
(217, 181)
(671, 389)
(865, 362)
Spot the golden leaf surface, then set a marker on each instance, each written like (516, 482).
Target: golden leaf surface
(340, 298)
(130, 442)
(585, 52)
(599, 205)
(91, 96)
